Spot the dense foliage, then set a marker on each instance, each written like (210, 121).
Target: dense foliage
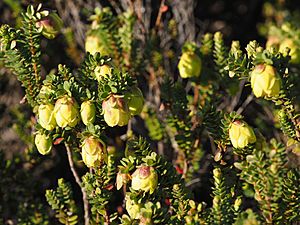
(209, 137)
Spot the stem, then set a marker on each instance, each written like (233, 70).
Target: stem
(77, 179)
(106, 217)
(158, 19)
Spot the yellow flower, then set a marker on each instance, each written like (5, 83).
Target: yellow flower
(122, 178)
(144, 178)
(50, 25)
(273, 41)
(87, 112)
(66, 112)
(189, 65)
(294, 51)
(46, 116)
(101, 71)
(43, 143)
(93, 151)
(132, 208)
(241, 134)
(93, 45)
(265, 81)
(115, 111)
(135, 100)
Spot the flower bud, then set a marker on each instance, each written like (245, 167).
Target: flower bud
(217, 173)
(46, 116)
(66, 112)
(87, 112)
(273, 41)
(144, 178)
(93, 151)
(237, 203)
(265, 81)
(241, 134)
(132, 208)
(93, 45)
(43, 143)
(101, 71)
(294, 51)
(115, 111)
(189, 65)
(135, 101)
(50, 26)
(216, 201)
(122, 178)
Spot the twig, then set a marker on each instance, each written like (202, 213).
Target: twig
(160, 12)
(245, 104)
(77, 179)
(106, 217)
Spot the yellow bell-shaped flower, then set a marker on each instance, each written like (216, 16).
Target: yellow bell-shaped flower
(46, 116)
(101, 71)
(115, 111)
(66, 112)
(189, 65)
(241, 134)
(265, 81)
(93, 45)
(50, 25)
(88, 112)
(43, 143)
(132, 208)
(294, 49)
(122, 179)
(93, 151)
(135, 100)
(145, 178)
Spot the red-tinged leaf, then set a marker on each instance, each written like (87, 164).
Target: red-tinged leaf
(179, 170)
(109, 187)
(164, 8)
(58, 141)
(167, 201)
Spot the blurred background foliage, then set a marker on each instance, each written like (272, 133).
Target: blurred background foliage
(25, 175)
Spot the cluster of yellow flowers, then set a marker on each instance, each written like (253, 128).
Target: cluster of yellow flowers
(144, 178)
(265, 82)
(64, 113)
(118, 109)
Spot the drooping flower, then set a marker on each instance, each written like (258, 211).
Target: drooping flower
(87, 112)
(241, 134)
(50, 25)
(115, 111)
(135, 100)
(132, 208)
(66, 112)
(46, 116)
(94, 151)
(122, 178)
(43, 143)
(189, 65)
(265, 81)
(101, 71)
(294, 49)
(145, 178)
(94, 45)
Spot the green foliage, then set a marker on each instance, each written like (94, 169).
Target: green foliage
(61, 200)
(184, 124)
(22, 52)
(265, 169)
(225, 204)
